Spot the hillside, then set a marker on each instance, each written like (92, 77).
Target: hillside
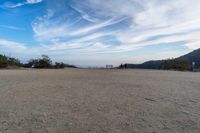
(181, 63)
(192, 57)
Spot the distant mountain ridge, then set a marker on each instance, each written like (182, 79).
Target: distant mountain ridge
(181, 63)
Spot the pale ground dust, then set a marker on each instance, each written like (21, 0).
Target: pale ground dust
(99, 101)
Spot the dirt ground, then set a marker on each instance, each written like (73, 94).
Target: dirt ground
(99, 101)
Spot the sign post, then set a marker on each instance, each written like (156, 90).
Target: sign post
(193, 66)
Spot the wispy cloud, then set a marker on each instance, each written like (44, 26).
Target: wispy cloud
(46, 28)
(150, 23)
(33, 1)
(150, 19)
(11, 45)
(27, 2)
(96, 26)
(85, 15)
(11, 27)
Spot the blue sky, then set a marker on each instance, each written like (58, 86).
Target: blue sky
(99, 32)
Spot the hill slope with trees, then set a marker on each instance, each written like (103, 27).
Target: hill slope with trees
(181, 63)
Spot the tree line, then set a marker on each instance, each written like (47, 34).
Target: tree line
(8, 61)
(43, 62)
(170, 64)
(175, 64)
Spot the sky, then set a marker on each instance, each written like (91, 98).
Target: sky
(99, 32)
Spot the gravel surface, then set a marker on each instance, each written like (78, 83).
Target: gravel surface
(99, 101)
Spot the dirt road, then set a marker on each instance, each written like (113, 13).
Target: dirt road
(99, 101)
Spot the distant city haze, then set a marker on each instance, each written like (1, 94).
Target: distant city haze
(99, 32)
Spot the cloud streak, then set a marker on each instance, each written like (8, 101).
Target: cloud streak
(47, 27)
(11, 27)
(151, 19)
(27, 2)
(150, 23)
(11, 45)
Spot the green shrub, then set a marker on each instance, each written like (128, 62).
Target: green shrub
(59, 65)
(44, 62)
(8, 61)
(3, 61)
